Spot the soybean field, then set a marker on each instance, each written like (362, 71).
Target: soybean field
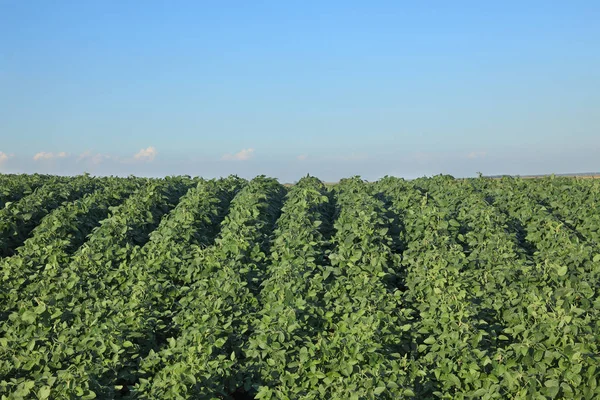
(190, 288)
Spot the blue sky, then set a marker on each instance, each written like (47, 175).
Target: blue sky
(333, 88)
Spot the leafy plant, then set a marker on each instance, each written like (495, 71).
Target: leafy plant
(435, 288)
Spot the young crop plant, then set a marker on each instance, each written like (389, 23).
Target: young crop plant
(18, 219)
(290, 316)
(227, 289)
(138, 319)
(360, 352)
(54, 240)
(204, 360)
(555, 326)
(14, 187)
(47, 332)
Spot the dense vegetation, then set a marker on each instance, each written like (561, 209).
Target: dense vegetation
(183, 287)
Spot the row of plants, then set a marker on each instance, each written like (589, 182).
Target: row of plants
(54, 240)
(15, 187)
(576, 203)
(226, 289)
(44, 346)
(499, 276)
(538, 332)
(18, 219)
(361, 349)
(448, 356)
(138, 318)
(214, 312)
(556, 334)
(290, 316)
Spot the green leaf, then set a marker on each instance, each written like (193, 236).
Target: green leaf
(392, 385)
(562, 270)
(40, 309)
(191, 379)
(379, 390)
(29, 317)
(551, 383)
(90, 395)
(429, 340)
(44, 392)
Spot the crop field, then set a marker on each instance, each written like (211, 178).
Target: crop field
(185, 288)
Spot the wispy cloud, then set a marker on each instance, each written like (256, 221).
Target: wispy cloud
(241, 155)
(148, 154)
(42, 155)
(4, 157)
(302, 157)
(95, 159)
(476, 154)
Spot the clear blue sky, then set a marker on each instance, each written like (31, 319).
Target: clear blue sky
(286, 88)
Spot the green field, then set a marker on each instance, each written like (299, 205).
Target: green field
(182, 288)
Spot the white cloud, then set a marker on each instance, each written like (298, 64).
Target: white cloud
(147, 154)
(476, 154)
(242, 155)
(3, 157)
(42, 155)
(84, 155)
(91, 158)
(302, 157)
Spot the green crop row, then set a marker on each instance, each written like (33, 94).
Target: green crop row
(45, 340)
(15, 187)
(230, 289)
(290, 315)
(18, 219)
(214, 312)
(53, 241)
